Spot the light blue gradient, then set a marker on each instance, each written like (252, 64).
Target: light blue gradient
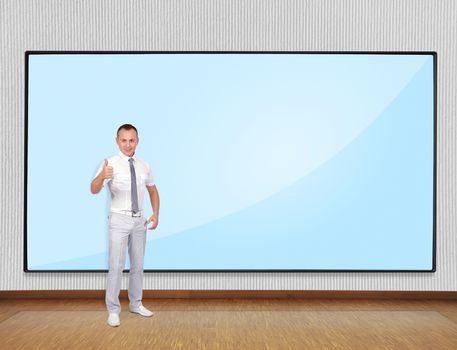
(272, 161)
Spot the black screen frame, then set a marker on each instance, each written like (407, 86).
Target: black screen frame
(26, 75)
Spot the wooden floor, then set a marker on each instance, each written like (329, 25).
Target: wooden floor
(231, 324)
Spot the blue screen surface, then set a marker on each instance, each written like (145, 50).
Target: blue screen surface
(262, 161)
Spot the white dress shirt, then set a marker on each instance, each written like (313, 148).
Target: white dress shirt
(119, 184)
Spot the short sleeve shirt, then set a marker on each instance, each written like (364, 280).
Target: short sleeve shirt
(119, 185)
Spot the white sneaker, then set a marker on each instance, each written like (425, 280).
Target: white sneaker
(113, 320)
(142, 311)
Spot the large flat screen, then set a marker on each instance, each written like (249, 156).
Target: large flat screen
(271, 161)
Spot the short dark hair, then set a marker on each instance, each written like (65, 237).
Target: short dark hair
(127, 127)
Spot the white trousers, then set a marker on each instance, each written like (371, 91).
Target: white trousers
(125, 231)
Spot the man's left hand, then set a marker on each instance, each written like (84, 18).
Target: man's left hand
(154, 220)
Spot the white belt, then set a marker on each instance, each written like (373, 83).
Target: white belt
(129, 213)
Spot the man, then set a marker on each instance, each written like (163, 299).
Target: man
(127, 176)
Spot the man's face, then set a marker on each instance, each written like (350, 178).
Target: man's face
(127, 140)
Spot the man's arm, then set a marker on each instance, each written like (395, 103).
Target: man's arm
(155, 203)
(97, 183)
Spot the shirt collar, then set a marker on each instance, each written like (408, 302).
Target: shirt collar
(126, 158)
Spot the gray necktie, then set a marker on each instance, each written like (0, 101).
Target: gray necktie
(133, 190)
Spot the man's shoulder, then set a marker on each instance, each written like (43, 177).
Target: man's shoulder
(113, 159)
(141, 160)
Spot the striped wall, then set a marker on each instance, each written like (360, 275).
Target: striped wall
(313, 25)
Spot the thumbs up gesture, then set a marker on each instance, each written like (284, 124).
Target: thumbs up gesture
(107, 171)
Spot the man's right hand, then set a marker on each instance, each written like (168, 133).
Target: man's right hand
(107, 171)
